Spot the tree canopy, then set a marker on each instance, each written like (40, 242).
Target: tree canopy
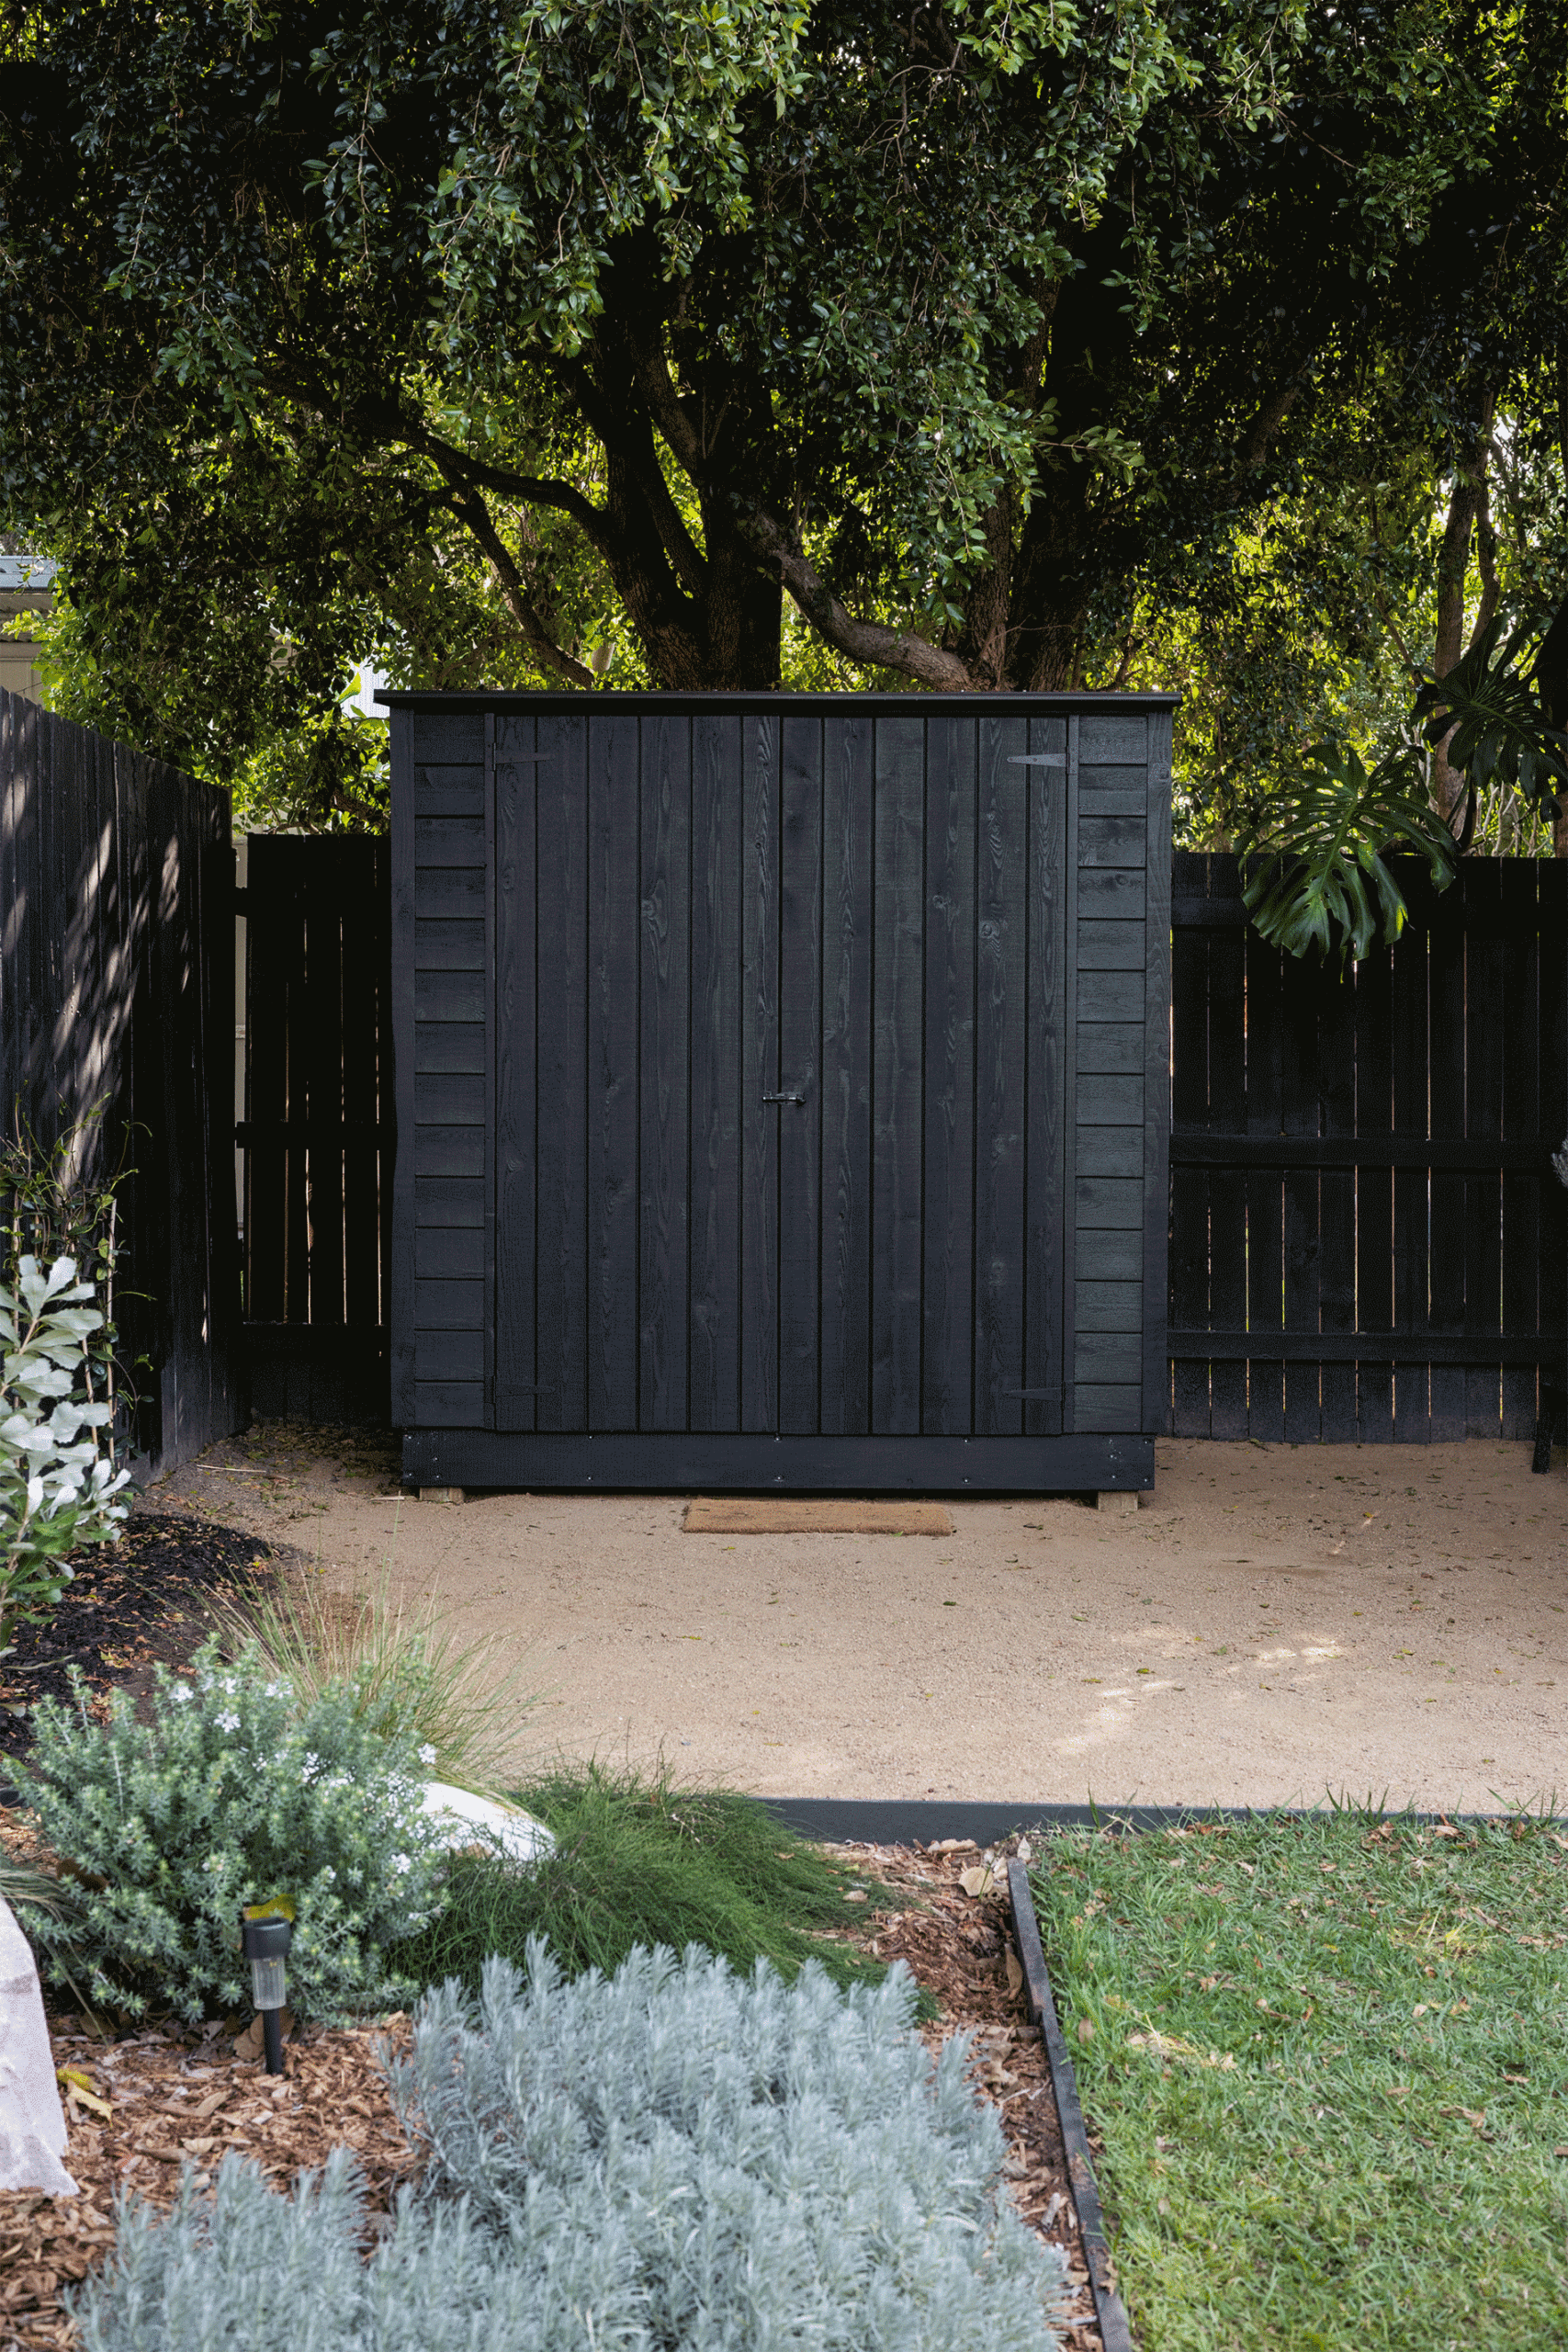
(986, 343)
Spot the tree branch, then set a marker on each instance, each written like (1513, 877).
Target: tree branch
(509, 580)
(1266, 422)
(466, 473)
(871, 641)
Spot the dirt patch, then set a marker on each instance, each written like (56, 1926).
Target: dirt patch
(143, 1602)
(1274, 1623)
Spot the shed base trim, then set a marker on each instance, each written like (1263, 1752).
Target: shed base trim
(666, 1463)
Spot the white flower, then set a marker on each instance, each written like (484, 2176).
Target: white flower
(329, 1875)
(402, 1864)
(427, 1753)
(182, 1692)
(310, 1766)
(227, 1721)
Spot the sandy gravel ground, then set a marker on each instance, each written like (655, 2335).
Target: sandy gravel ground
(1273, 1624)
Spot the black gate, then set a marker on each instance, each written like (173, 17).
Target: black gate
(317, 1132)
(778, 1109)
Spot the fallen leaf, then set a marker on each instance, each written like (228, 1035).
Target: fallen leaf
(1015, 1973)
(977, 1880)
(1086, 2029)
(79, 2090)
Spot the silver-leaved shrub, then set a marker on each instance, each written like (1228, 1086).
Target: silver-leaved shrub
(675, 2157)
(228, 1795)
(59, 1487)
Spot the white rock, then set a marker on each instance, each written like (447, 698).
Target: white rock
(517, 1833)
(32, 2123)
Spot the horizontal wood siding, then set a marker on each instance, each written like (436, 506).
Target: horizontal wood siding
(447, 1124)
(1110, 1198)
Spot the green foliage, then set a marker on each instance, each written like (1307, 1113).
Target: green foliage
(1318, 877)
(461, 1705)
(672, 2157)
(230, 1794)
(59, 1487)
(643, 1862)
(1496, 727)
(1005, 340)
(1325, 2065)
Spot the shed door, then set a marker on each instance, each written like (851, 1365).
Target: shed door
(779, 1074)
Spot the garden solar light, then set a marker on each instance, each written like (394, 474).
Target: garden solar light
(266, 1945)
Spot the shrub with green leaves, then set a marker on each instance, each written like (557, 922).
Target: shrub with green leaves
(230, 1795)
(59, 1487)
(672, 2156)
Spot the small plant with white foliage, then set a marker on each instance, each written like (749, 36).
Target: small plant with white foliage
(59, 1487)
(232, 1795)
(675, 2156)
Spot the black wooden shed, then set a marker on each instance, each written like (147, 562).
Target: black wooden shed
(781, 1089)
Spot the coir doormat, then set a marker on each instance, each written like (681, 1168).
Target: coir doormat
(793, 1515)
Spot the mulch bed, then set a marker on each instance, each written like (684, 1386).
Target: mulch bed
(142, 1601)
(175, 2096)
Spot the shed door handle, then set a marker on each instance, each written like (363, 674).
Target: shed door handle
(783, 1098)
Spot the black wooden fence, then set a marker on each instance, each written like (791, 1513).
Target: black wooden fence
(317, 1130)
(1367, 1237)
(116, 990)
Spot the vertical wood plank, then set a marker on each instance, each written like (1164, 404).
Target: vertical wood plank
(516, 984)
(1551, 883)
(1410, 972)
(1486, 1019)
(1001, 1065)
(1265, 1191)
(1071, 892)
(1374, 1189)
(320, 1049)
(1302, 988)
(848, 791)
(799, 1124)
(561, 1265)
(1156, 1080)
(1337, 1195)
(1190, 1186)
(663, 1320)
(1228, 1186)
(898, 1108)
(1052, 885)
(1445, 1265)
(948, 1296)
(760, 1075)
(716, 1077)
(1519, 1043)
(615, 784)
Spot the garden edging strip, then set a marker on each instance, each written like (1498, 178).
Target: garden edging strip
(918, 1820)
(1116, 2336)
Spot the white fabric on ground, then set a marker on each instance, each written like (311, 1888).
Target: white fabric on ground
(517, 1832)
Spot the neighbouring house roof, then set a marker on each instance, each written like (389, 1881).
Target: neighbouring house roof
(20, 572)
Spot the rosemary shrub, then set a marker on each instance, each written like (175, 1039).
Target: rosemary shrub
(230, 1794)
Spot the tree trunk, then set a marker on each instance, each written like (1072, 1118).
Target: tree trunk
(1467, 506)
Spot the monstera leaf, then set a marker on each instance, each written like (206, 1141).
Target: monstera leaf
(1314, 873)
(1501, 733)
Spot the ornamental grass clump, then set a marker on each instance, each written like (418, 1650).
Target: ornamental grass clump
(230, 1794)
(675, 2156)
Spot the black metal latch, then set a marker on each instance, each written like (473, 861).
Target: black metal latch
(783, 1098)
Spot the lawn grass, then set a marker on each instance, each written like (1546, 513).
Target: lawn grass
(1347, 2140)
(640, 1861)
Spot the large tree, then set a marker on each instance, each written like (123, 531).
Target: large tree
(492, 332)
